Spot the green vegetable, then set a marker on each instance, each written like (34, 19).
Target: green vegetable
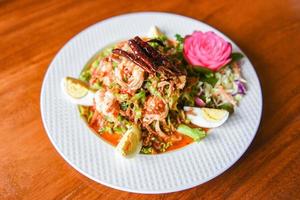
(139, 96)
(95, 64)
(153, 44)
(162, 37)
(201, 70)
(138, 113)
(210, 78)
(106, 129)
(85, 76)
(179, 38)
(179, 47)
(196, 133)
(187, 99)
(152, 90)
(115, 65)
(227, 106)
(146, 150)
(119, 130)
(188, 94)
(236, 56)
(124, 105)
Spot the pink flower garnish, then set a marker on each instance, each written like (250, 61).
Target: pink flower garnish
(206, 50)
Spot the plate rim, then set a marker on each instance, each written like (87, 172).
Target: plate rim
(141, 191)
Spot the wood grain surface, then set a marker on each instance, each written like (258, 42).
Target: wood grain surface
(32, 32)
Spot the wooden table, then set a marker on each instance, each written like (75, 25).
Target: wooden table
(31, 34)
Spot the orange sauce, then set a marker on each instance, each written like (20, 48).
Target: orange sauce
(114, 139)
(183, 142)
(111, 138)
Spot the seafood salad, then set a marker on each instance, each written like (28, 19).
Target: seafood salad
(155, 94)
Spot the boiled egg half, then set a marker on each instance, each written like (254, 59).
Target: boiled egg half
(206, 117)
(77, 91)
(131, 142)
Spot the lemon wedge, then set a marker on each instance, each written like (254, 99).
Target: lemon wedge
(131, 142)
(77, 91)
(206, 117)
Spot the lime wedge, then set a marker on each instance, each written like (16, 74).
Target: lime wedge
(76, 88)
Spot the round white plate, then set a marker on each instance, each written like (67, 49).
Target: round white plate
(168, 172)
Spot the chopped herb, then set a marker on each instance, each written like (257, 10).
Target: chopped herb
(162, 37)
(139, 96)
(85, 76)
(153, 44)
(211, 79)
(106, 129)
(179, 38)
(152, 90)
(138, 113)
(124, 105)
(95, 64)
(119, 130)
(147, 150)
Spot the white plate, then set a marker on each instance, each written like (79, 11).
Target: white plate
(169, 172)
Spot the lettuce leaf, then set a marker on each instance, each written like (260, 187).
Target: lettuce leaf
(196, 133)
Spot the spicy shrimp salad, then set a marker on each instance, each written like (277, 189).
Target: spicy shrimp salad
(153, 94)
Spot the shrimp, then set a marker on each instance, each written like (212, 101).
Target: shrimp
(155, 108)
(106, 70)
(106, 104)
(129, 76)
(103, 72)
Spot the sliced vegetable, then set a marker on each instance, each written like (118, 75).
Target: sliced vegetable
(196, 133)
(139, 96)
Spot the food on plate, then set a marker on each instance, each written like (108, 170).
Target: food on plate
(131, 142)
(154, 94)
(206, 117)
(78, 91)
